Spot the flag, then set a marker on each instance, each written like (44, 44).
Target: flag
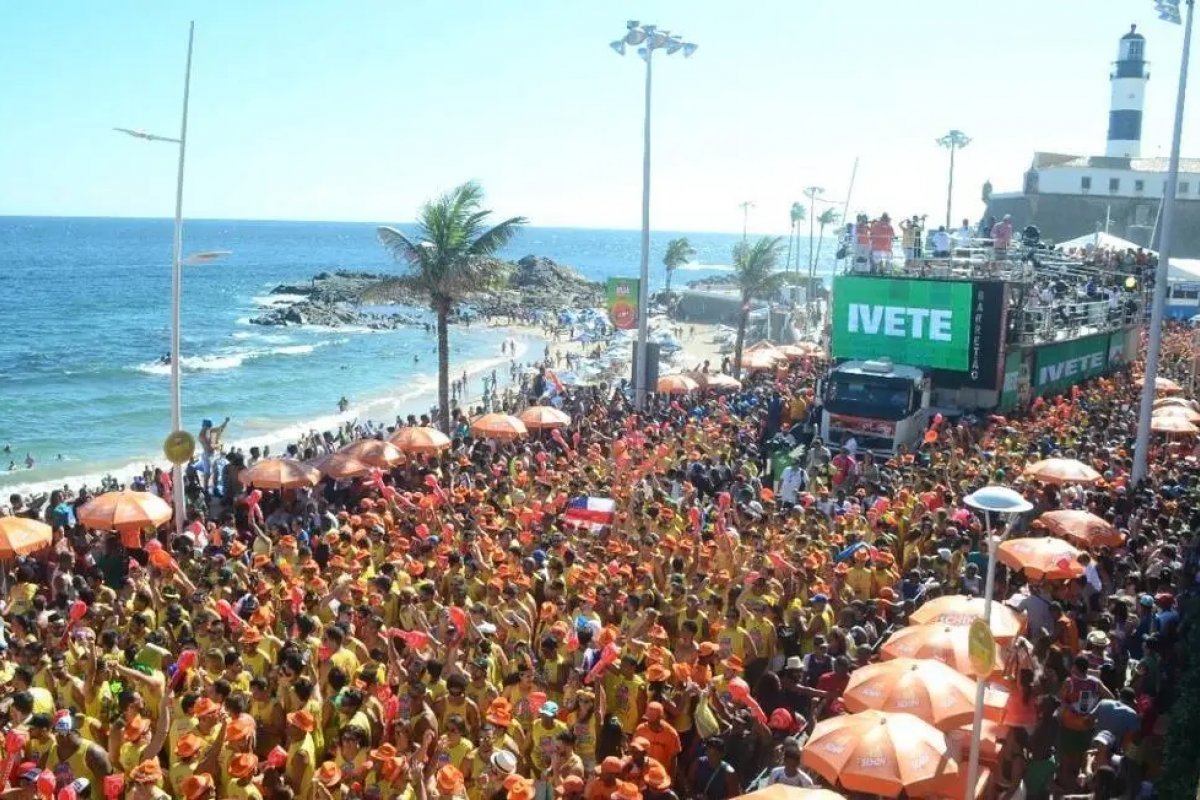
(591, 512)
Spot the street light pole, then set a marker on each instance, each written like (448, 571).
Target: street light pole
(953, 140)
(177, 278)
(650, 38)
(746, 205)
(989, 500)
(1169, 11)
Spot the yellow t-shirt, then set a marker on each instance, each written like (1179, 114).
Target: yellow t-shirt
(541, 750)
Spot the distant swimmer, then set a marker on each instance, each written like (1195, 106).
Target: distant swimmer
(343, 404)
(416, 359)
(58, 457)
(29, 462)
(7, 450)
(165, 358)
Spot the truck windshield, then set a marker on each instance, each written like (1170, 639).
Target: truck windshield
(860, 396)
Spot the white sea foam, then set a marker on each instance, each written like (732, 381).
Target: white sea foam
(277, 299)
(232, 359)
(418, 395)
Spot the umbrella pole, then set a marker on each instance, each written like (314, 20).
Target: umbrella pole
(989, 586)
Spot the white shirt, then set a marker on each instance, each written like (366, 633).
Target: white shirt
(791, 482)
(940, 241)
(779, 775)
(963, 234)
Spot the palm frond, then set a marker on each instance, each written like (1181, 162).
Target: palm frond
(493, 239)
(398, 244)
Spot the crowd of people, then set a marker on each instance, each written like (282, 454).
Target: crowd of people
(456, 627)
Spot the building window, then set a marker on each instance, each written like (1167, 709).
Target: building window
(1135, 50)
(1184, 186)
(1114, 184)
(1085, 183)
(1139, 186)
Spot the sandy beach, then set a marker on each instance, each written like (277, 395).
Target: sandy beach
(406, 398)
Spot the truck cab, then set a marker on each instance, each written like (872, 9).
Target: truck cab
(879, 404)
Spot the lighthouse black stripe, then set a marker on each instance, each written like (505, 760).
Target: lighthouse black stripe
(1130, 69)
(1124, 126)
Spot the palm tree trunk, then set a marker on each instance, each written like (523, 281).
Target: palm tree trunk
(808, 288)
(443, 345)
(787, 263)
(812, 275)
(670, 272)
(740, 342)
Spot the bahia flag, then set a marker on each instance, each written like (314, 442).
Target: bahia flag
(591, 512)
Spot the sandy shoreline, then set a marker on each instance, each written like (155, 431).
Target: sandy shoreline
(399, 400)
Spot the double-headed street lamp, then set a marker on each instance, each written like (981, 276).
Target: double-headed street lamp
(176, 277)
(954, 140)
(1168, 10)
(647, 38)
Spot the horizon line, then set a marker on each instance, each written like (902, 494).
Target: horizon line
(5, 216)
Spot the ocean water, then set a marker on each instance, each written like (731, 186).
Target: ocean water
(86, 316)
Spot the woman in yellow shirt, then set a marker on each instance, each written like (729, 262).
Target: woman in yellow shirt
(453, 747)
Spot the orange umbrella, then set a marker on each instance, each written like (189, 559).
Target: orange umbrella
(1175, 411)
(124, 510)
(1171, 425)
(498, 426)
(960, 610)
(1161, 385)
(760, 359)
(375, 453)
(721, 382)
(1061, 470)
(877, 752)
(340, 465)
(1042, 559)
(20, 536)
(781, 791)
(922, 687)
(420, 439)
(537, 417)
(279, 473)
(676, 384)
(944, 643)
(1083, 527)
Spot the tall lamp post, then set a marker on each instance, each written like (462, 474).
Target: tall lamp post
(647, 38)
(1168, 10)
(745, 205)
(176, 276)
(954, 140)
(996, 500)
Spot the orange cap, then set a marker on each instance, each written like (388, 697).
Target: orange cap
(188, 745)
(449, 779)
(197, 786)
(243, 765)
(146, 772)
(302, 720)
(328, 774)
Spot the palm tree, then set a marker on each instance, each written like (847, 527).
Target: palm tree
(679, 252)
(451, 256)
(797, 214)
(827, 217)
(755, 275)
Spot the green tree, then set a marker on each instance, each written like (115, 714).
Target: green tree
(451, 255)
(797, 213)
(826, 217)
(679, 252)
(756, 277)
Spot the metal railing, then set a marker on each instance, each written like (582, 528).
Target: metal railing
(1062, 320)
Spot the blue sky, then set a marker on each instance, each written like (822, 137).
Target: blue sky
(361, 110)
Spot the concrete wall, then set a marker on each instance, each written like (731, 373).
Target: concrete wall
(1061, 217)
(1069, 180)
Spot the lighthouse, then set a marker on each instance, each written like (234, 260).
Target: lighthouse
(1128, 79)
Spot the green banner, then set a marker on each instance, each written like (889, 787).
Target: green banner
(1012, 377)
(1060, 366)
(622, 302)
(922, 323)
(1116, 349)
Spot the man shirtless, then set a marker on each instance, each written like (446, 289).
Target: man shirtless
(210, 445)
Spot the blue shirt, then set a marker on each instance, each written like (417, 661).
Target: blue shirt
(1116, 718)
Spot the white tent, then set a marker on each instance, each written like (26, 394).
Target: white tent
(1099, 239)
